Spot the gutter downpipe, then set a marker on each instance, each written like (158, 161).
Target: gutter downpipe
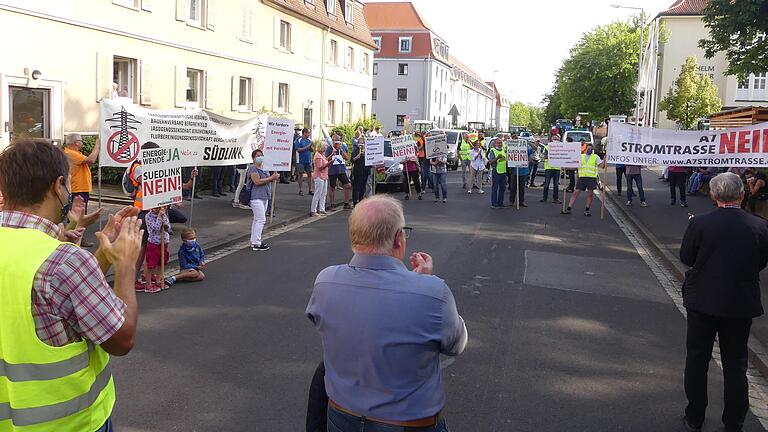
(323, 102)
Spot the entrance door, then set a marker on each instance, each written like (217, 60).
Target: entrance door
(30, 112)
(308, 118)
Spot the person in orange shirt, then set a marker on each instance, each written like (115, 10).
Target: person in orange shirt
(80, 166)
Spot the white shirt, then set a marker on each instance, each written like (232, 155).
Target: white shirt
(477, 156)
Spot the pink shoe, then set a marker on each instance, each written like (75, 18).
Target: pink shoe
(153, 288)
(140, 286)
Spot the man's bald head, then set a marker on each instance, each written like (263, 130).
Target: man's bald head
(374, 224)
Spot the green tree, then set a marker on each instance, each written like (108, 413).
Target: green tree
(552, 102)
(537, 118)
(692, 96)
(519, 114)
(739, 28)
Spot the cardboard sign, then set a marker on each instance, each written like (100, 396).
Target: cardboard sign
(564, 154)
(278, 144)
(374, 151)
(160, 177)
(403, 147)
(436, 146)
(517, 154)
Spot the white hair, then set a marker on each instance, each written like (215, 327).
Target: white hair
(72, 138)
(374, 223)
(726, 187)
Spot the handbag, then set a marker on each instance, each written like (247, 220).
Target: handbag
(245, 193)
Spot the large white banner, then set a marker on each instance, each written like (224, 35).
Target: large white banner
(742, 147)
(160, 177)
(563, 154)
(436, 146)
(278, 145)
(374, 151)
(203, 138)
(517, 154)
(403, 147)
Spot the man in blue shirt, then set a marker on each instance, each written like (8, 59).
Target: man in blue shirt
(337, 172)
(384, 327)
(303, 146)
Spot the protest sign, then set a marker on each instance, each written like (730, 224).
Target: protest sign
(203, 138)
(278, 144)
(160, 177)
(564, 154)
(517, 154)
(436, 146)
(740, 147)
(374, 151)
(403, 147)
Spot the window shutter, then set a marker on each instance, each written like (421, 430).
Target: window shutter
(210, 91)
(290, 39)
(274, 96)
(277, 32)
(182, 10)
(103, 76)
(146, 5)
(254, 102)
(210, 10)
(181, 86)
(235, 95)
(146, 84)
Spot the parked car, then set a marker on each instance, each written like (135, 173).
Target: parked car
(392, 177)
(453, 136)
(578, 134)
(527, 135)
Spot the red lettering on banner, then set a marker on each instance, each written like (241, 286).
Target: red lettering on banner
(743, 142)
(728, 143)
(756, 141)
(162, 185)
(765, 141)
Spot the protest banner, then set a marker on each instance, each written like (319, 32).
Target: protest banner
(517, 153)
(374, 151)
(203, 138)
(278, 144)
(740, 147)
(160, 177)
(403, 147)
(564, 154)
(436, 146)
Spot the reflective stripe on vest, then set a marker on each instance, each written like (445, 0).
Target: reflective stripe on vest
(501, 165)
(43, 388)
(588, 168)
(464, 150)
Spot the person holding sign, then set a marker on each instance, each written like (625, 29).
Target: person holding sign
(590, 162)
(518, 179)
(260, 185)
(551, 175)
(477, 167)
(337, 172)
(359, 171)
(439, 173)
(320, 177)
(498, 163)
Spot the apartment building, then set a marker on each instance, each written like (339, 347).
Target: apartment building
(685, 27)
(309, 60)
(500, 119)
(414, 74)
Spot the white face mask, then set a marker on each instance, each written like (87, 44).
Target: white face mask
(190, 241)
(259, 160)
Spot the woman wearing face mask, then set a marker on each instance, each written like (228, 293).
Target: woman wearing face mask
(260, 185)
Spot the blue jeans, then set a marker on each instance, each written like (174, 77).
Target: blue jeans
(533, 168)
(498, 187)
(553, 176)
(697, 181)
(513, 183)
(343, 422)
(107, 427)
(217, 180)
(441, 182)
(426, 175)
(638, 179)
(464, 165)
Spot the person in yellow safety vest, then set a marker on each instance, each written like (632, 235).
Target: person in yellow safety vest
(551, 175)
(588, 173)
(464, 159)
(498, 162)
(55, 350)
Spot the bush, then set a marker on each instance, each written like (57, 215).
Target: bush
(347, 130)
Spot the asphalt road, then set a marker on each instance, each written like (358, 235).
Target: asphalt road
(569, 329)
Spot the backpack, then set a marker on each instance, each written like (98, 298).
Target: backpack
(245, 193)
(129, 188)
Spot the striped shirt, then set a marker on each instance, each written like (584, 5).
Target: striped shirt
(71, 300)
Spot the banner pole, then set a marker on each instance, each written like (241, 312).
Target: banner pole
(272, 207)
(565, 194)
(192, 201)
(517, 187)
(100, 192)
(408, 178)
(162, 255)
(373, 179)
(603, 197)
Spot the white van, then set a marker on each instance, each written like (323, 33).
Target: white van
(453, 136)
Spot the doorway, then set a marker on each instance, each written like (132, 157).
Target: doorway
(30, 112)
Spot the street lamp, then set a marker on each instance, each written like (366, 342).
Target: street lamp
(640, 62)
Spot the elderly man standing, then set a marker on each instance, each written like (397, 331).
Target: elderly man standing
(726, 250)
(383, 372)
(80, 166)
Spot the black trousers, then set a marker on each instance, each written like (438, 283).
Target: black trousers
(359, 180)
(677, 183)
(733, 334)
(415, 178)
(571, 180)
(317, 405)
(620, 172)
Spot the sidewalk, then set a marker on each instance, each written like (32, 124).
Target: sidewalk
(664, 225)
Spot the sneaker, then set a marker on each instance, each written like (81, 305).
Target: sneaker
(153, 288)
(469, 192)
(643, 204)
(420, 197)
(445, 200)
(557, 201)
(482, 191)
(569, 190)
(349, 207)
(437, 200)
(566, 211)
(543, 200)
(493, 207)
(312, 214)
(170, 280)
(301, 193)
(322, 213)
(690, 426)
(244, 207)
(684, 204)
(140, 286)
(523, 205)
(587, 213)
(629, 203)
(407, 197)
(260, 248)
(672, 202)
(235, 204)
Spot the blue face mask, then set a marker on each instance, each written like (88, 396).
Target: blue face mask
(589, 152)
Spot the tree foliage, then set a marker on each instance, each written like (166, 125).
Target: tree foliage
(529, 116)
(692, 96)
(347, 130)
(739, 28)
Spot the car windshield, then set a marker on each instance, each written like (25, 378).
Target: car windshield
(451, 137)
(525, 134)
(387, 148)
(577, 136)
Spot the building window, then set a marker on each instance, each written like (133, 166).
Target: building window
(196, 12)
(124, 75)
(377, 42)
(405, 44)
(402, 95)
(331, 112)
(349, 10)
(347, 112)
(246, 22)
(364, 111)
(282, 97)
(402, 69)
(244, 94)
(374, 93)
(349, 60)
(331, 6)
(333, 53)
(754, 87)
(375, 68)
(366, 61)
(194, 86)
(285, 35)
(759, 81)
(400, 120)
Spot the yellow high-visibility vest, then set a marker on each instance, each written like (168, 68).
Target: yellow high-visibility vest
(43, 388)
(588, 167)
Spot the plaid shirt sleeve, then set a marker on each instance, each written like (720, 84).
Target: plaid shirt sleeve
(81, 296)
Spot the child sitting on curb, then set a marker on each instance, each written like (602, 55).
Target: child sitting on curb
(191, 259)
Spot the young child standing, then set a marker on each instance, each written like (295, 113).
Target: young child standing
(155, 220)
(439, 173)
(191, 259)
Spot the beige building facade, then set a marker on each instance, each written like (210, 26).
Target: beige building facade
(310, 61)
